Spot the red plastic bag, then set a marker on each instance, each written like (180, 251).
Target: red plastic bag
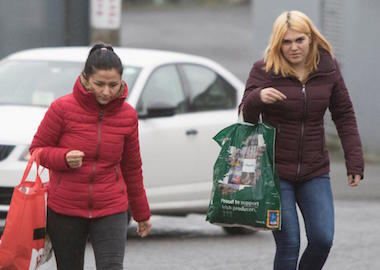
(23, 242)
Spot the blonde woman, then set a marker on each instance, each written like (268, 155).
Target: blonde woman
(292, 87)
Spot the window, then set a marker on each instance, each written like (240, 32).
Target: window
(39, 82)
(163, 88)
(36, 83)
(130, 75)
(208, 90)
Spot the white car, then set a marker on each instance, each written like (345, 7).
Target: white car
(182, 101)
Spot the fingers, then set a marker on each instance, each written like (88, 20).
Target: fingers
(271, 95)
(143, 228)
(74, 158)
(75, 154)
(353, 181)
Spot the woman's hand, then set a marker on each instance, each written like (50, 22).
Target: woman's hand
(143, 228)
(74, 159)
(353, 180)
(270, 95)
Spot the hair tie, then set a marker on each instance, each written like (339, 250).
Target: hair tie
(103, 49)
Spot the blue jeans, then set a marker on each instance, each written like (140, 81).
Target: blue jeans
(69, 237)
(315, 200)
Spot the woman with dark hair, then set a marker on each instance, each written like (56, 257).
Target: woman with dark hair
(89, 142)
(291, 88)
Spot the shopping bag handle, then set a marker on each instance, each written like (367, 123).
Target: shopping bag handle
(241, 119)
(34, 158)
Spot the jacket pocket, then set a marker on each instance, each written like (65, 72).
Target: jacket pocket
(59, 180)
(323, 140)
(118, 180)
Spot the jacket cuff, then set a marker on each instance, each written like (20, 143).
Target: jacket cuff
(139, 208)
(252, 106)
(356, 173)
(55, 158)
(254, 97)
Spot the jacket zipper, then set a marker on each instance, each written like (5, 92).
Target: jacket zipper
(94, 163)
(304, 118)
(302, 132)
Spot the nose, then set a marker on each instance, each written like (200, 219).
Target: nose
(293, 46)
(106, 90)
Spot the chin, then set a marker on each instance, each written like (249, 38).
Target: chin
(103, 102)
(295, 61)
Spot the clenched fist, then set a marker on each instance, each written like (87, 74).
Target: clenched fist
(74, 159)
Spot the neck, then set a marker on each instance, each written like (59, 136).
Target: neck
(300, 71)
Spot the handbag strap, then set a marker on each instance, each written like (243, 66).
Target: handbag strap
(35, 158)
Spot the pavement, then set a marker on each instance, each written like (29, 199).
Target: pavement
(189, 243)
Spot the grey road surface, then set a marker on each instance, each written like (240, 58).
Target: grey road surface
(189, 243)
(204, 246)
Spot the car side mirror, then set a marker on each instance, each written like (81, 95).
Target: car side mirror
(159, 109)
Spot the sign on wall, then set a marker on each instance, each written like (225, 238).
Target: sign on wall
(105, 14)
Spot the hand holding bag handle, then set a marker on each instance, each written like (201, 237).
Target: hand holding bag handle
(242, 121)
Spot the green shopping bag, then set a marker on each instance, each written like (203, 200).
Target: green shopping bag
(246, 189)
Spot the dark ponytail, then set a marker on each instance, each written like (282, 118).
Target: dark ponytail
(102, 56)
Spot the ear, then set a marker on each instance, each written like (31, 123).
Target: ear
(121, 90)
(84, 81)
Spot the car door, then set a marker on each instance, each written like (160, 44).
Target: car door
(177, 150)
(212, 106)
(167, 143)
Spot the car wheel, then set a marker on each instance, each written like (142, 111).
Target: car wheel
(238, 230)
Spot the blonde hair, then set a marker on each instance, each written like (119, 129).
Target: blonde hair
(299, 22)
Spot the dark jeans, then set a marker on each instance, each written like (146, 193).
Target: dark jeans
(69, 237)
(315, 200)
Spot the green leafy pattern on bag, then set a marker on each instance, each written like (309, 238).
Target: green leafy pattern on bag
(245, 185)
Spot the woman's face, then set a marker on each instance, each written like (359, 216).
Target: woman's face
(295, 47)
(105, 84)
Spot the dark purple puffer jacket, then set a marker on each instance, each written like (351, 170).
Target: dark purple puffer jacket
(300, 143)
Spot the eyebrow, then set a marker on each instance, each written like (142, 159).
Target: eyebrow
(297, 38)
(99, 81)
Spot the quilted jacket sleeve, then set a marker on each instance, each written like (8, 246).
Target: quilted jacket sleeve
(251, 104)
(47, 138)
(343, 115)
(132, 173)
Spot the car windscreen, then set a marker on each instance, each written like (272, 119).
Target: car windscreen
(38, 83)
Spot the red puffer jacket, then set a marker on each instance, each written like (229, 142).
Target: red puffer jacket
(300, 143)
(111, 174)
